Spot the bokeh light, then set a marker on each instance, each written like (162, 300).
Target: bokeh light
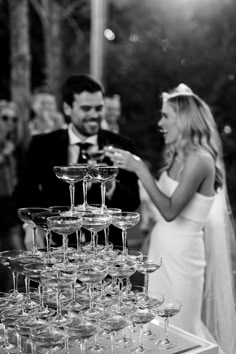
(109, 34)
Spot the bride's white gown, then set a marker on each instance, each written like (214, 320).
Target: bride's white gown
(196, 268)
(180, 244)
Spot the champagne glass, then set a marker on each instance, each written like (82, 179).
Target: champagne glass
(95, 223)
(85, 206)
(33, 272)
(89, 274)
(154, 300)
(59, 208)
(109, 211)
(169, 308)
(125, 221)
(103, 174)
(147, 266)
(93, 154)
(79, 214)
(121, 269)
(72, 271)
(26, 215)
(22, 327)
(141, 317)
(71, 174)
(113, 323)
(8, 318)
(5, 258)
(57, 280)
(40, 219)
(134, 256)
(83, 329)
(64, 226)
(47, 337)
(18, 264)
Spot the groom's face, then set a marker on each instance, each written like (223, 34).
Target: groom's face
(86, 112)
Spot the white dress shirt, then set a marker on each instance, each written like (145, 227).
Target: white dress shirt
(74, 139)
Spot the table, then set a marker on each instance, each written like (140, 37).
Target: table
(187, 343)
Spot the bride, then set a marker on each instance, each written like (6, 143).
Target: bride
(193, 230)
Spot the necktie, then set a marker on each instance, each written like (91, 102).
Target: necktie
(82, 158)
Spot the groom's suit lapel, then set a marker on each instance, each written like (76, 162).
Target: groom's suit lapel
(59, 147)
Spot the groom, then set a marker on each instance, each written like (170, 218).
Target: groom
(83, 104)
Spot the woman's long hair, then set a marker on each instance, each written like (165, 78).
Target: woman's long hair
(198, 131)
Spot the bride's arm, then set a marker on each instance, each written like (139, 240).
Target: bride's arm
(196, 169)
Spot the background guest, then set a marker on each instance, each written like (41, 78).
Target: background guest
(10, 229)
(45, 114)
(112, 113)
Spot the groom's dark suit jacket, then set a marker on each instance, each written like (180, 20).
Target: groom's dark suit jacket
(39, 186)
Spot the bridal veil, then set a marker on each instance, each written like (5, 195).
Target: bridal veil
(219, 294)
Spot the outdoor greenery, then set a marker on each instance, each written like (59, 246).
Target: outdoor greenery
(158, 44)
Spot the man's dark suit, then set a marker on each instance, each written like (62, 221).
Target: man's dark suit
(38, 185)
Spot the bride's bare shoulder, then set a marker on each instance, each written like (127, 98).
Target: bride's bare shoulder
(201, 159)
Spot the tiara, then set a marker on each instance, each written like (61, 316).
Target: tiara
(180, 90)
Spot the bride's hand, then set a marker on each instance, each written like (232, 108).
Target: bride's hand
(123, 159)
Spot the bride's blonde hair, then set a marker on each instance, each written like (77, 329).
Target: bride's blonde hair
(198, 130)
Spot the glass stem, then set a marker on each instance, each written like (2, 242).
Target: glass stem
(82, 346)
(102, 289)
(78, 245)
(141, 337)
(58, 303)
(27, 289)
(80, 238)
(72, 195)
(5, 335)
(73, 293)
(112, 342)
(93, 234)
(96, 242)
(96, 340)
(120, 284)
(128, 285)
(14, 280)
(91, 296)
(124, 239)
(65, 248)
(103, 194)
(40, 289)
(166, 322)
(106, 232)
(34, 248)
(146, 280)
(19, 347)
(48, 242)
(85, 191)
(67, 350)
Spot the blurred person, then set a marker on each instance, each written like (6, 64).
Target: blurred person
(83, 100)
(194, 233)
(45, 115)
(10, 229)
(112, 113)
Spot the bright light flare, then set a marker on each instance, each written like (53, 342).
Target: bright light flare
(109, 34)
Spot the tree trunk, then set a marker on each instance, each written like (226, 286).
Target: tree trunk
(53, 44)
(20, 59)
(98, 20)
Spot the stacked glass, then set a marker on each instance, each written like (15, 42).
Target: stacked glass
(80, 293)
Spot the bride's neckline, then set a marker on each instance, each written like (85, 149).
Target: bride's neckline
(177, 182)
